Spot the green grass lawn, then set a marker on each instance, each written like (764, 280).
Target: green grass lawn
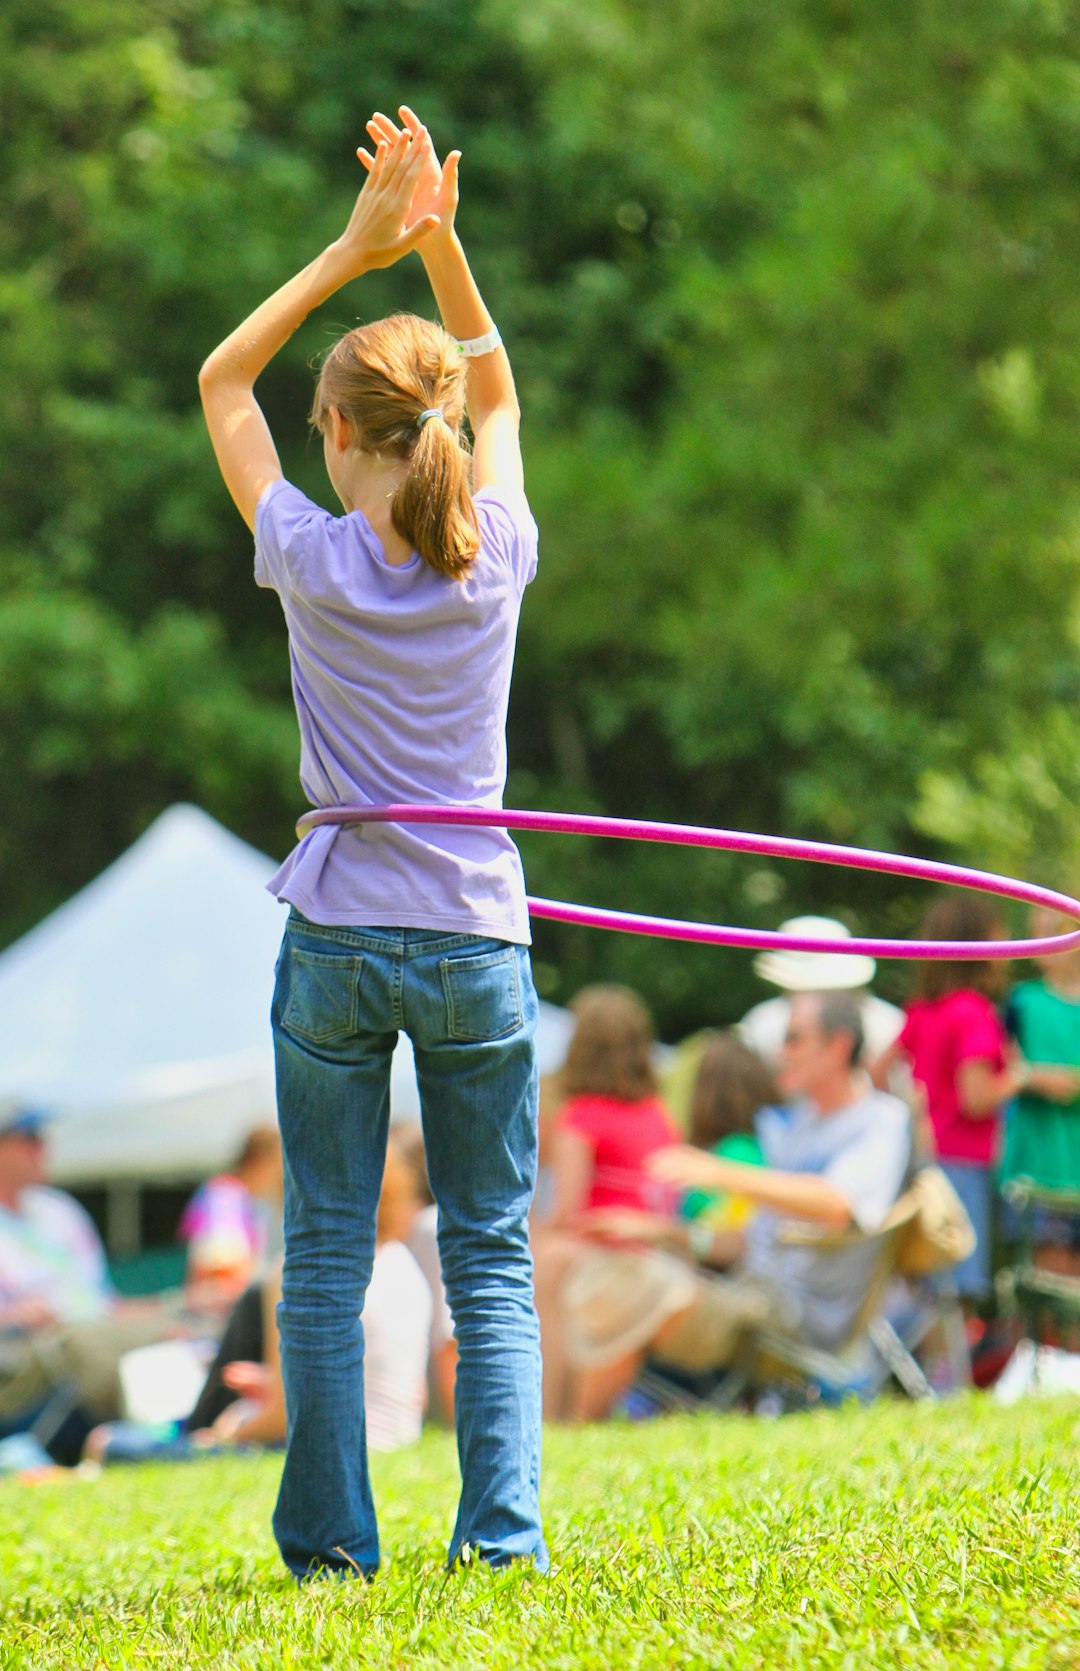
(898, 1536)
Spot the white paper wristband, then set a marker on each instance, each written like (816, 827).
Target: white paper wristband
(473, 347)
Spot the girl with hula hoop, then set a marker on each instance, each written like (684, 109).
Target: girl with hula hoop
(402, 616)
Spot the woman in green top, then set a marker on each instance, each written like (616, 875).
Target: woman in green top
(1042, 1132)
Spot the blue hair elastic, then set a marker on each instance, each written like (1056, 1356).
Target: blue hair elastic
(430, 412)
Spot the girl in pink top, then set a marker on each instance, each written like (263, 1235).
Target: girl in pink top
(958, 1049)
(612, 1119)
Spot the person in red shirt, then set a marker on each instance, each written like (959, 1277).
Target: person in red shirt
(960, 1058)
(611, 1120)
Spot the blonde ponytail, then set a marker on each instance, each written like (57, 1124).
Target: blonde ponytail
(401, 383)
(433, 507)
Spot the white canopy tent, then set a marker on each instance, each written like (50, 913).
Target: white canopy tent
(138, 1013)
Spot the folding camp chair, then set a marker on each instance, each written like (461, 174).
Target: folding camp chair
(928, 1317)
(55, 1422)
(861, 1364)
(1036, 1295)
(881, 1343)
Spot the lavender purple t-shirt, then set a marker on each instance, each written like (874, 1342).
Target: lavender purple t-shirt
(401, 678)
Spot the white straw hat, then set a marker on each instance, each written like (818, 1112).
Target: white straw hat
(815, 971)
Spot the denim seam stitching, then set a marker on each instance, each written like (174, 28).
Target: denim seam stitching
(368, 939)
(398, 1001)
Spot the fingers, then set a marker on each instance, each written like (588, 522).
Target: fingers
(414, 125)
(419, 132)
(405, 163)
(412, 235)
(400, 156)
(383, 130)
(242, 1376)
(382, 171)
(381, 127)
(378, 167)
(390, 154)
(366, 158)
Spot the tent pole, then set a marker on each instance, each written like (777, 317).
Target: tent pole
(123, 1217)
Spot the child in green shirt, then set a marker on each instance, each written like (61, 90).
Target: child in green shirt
(1042, 1132)
(733, 1084)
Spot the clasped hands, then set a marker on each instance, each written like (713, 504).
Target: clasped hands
(409, 197)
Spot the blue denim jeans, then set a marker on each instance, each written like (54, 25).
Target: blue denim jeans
(972, 1279)
(469, 1007)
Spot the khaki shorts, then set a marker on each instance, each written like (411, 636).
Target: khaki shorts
(617, 1301)
(82, 1357)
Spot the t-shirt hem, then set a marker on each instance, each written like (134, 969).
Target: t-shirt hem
(488, 927)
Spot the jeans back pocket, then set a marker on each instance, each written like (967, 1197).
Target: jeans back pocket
(483, 995)
(323, 1002)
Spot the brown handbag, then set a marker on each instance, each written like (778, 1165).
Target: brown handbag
(941, 1234)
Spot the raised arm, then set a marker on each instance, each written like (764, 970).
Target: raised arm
(379, 233)
(491, 398)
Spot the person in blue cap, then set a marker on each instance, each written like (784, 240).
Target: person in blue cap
(62, 1325)
(52, 1263)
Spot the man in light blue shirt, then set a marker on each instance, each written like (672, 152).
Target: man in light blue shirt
(841, 1133)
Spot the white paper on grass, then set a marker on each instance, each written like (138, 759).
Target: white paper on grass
(161, 1383)
(1037, 1369)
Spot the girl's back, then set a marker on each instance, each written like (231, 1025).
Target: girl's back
(620, 1135)
(401, 677)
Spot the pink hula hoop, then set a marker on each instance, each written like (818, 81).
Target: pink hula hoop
(736, 841)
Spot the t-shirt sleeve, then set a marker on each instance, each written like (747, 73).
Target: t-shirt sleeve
(289, 531)
(979, 1035)
(668, 1126)
(579, 1116)
(508, 530)
(87, 1247)
(771, 1127)
(73, 1228)
(194, 1216)
(871, 1171)
(219, 1228)
(742, 1146)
